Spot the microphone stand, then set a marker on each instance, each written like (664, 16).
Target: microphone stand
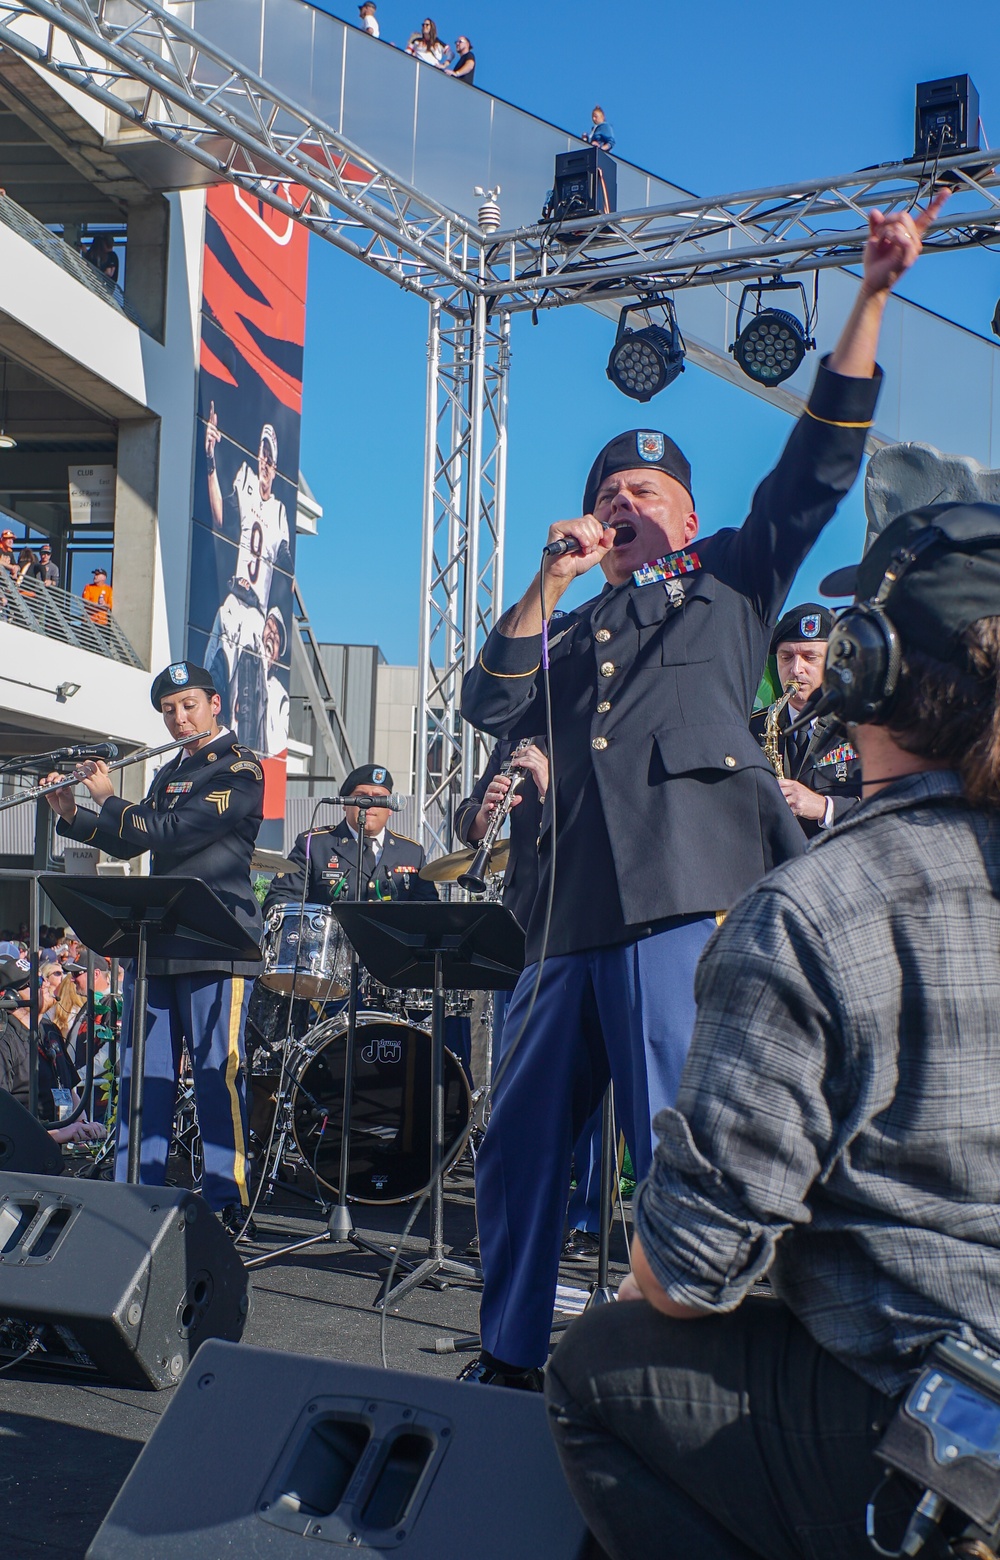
(340, 1228)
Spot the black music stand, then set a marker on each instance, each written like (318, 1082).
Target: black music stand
(461, 947)
(142, 917)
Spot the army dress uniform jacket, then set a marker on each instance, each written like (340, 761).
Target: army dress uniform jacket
(200, 819)
(333, 859)
(834, 770)
(520, 880)
(665, 804)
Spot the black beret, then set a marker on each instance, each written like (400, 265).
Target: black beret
(366, 774)
(14, 974)
(953, 583)
(629, 451)
(180, 674)
(807, 621)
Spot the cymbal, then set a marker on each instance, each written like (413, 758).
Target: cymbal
(271, 861)
(446, 869)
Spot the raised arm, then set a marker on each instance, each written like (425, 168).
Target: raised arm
(212, 437)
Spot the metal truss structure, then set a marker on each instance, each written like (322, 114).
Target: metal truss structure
(465, 464)
(144, 64)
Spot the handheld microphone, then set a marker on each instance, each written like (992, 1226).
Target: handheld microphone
(105, 750)
(393, 803)
(565, 544)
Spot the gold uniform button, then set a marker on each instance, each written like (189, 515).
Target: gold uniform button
(604, 706)
(730, 761)
(603, 635)
(607, 668)
(600, 743)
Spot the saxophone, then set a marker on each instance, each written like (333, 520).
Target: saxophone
(772, 744)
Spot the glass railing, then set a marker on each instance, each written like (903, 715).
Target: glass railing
(49, 610)
(66, 257)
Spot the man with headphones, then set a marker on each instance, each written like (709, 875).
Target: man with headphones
(838, 1121)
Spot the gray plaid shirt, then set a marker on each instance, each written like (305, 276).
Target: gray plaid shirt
(838, 1120)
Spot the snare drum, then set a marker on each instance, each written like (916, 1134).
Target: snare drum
(319, 965)
(390, 1157)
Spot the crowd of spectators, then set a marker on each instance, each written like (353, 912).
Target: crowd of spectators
(23, 565)
(425, 45)
(63, 1041)
(460, 61)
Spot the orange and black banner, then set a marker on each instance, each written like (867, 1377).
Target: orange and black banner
(247, 471)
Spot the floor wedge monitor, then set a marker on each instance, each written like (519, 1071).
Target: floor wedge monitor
(120, 1282)
(24, 1143)
(262, 1453)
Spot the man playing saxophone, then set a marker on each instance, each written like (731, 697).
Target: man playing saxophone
(820, 786)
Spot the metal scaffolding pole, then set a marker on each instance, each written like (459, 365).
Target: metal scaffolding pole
(463, 529)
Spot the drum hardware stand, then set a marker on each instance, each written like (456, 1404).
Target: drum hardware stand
(602, 1293)
(401, 944)
(340, 1229)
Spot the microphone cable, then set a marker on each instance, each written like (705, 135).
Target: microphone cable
(461, 1142)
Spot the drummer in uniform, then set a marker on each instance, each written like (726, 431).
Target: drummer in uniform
(326, 859)
(822, 786)
(200, 818)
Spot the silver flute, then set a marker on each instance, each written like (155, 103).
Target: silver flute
(33, 792)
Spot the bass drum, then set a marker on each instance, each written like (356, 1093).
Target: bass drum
(390, 1157)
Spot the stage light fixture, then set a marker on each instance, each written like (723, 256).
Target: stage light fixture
(995, 322)
(644, 362)
(770, 347)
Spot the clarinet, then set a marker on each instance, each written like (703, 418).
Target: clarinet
(475, 878)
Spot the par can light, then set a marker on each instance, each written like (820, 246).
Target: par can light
(644, 362)
(770, 347)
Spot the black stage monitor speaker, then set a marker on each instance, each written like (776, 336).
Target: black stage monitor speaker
(586, 185)
(118, 1281)
(24, 1143)
(262, 1453)
(947, 118)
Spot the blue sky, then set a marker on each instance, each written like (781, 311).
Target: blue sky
(717, 98)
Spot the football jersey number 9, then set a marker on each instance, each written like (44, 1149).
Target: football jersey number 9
(256, 547)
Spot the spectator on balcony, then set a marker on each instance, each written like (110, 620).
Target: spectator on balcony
(600, 132)
(98, 596)
(465, 65)
(368, 21)
(26, 561)
(7, 552)
(427, 47)
(101, 254)
(45, 570)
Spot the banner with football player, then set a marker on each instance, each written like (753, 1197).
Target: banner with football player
(247, 468)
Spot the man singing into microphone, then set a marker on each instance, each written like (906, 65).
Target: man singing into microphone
(665, 808)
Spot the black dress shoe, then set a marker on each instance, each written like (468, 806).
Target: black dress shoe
(580, 1246)
(486, 1371)
(233, 1217)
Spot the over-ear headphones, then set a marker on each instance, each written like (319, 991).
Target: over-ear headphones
(863, 658)
(864, 655)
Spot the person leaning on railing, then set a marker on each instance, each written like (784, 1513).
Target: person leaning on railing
(98, 595)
